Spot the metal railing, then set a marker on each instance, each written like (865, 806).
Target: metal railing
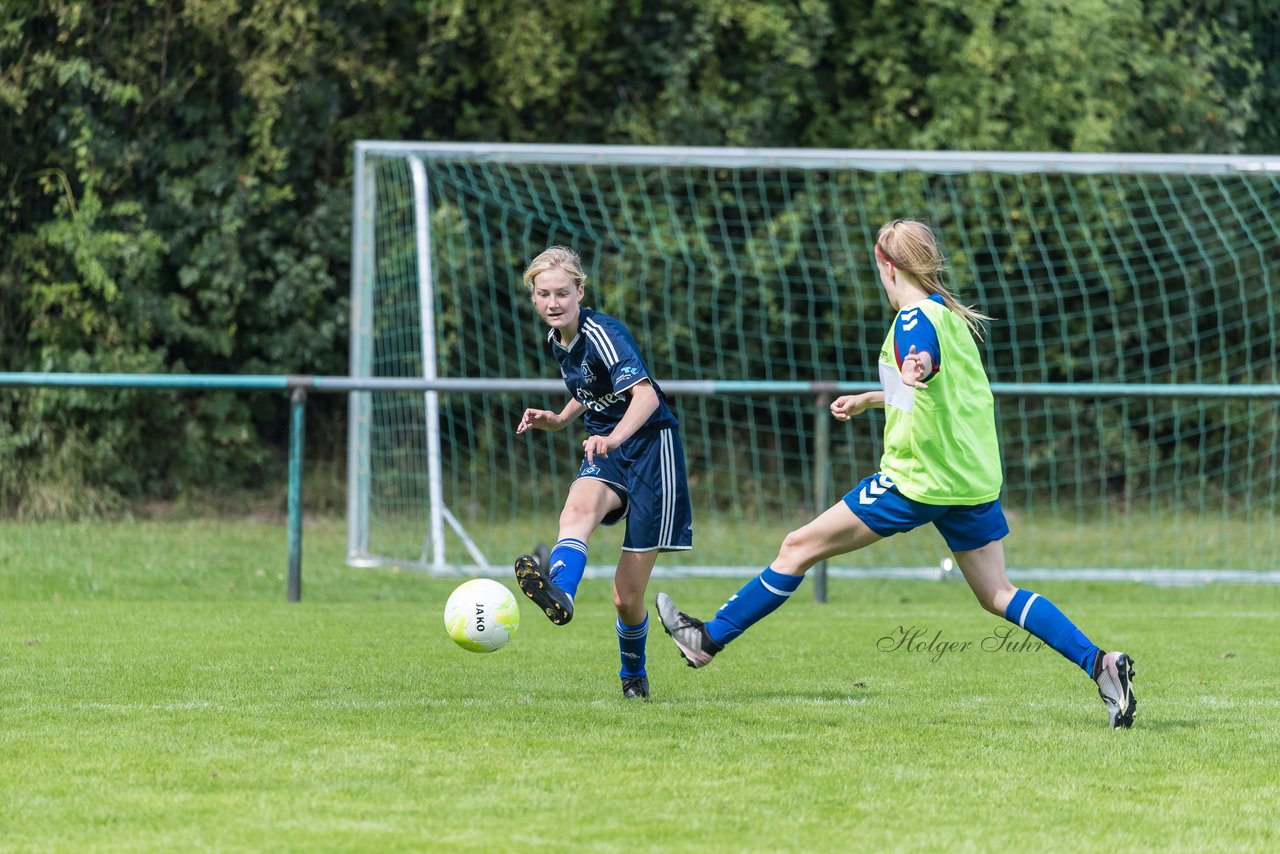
(299, 386)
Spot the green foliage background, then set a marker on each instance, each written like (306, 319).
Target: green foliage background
(175, 179)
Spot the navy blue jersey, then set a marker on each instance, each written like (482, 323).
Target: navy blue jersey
(598, 366)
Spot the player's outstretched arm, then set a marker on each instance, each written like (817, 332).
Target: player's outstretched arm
(545, 419)
(846, 406)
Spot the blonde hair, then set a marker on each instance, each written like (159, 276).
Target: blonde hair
(556, 258)
(911, 247)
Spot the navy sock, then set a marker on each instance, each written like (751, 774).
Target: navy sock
(758, 598)
(567, 562)
(631, 640)
(1037, 615)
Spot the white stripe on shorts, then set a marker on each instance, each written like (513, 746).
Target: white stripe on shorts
(666, 471)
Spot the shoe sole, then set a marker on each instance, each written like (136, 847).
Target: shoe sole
(533, 583)
(692, 657)
(1124, 666)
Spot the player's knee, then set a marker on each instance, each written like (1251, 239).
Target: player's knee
(628, 603)
(575, 513)
(796, 548)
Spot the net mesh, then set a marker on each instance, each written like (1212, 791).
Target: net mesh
(764, 273)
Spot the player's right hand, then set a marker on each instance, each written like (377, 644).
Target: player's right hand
(537, 419)
(848, 405)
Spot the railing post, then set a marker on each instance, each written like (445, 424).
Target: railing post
(821, 476)
(297, 432)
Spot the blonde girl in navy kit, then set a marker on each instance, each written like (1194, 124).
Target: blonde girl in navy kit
(632, 467)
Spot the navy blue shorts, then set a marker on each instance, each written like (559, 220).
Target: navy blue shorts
(885, 510)
(648, 474)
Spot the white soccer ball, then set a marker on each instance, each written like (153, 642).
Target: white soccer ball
(481, 615)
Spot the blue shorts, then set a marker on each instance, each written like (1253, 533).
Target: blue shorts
(885, 510)
(648, 474)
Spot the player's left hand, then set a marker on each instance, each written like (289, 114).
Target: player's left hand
(593, 445)
(915, 367)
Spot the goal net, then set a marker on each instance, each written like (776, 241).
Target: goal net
(1133, 351)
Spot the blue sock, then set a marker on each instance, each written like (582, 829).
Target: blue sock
(1037, 615)
(757, 599)
(568, 561)
(631, 646)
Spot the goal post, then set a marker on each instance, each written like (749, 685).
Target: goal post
(1133, 350)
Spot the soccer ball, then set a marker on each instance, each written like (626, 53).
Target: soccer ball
(481, 615)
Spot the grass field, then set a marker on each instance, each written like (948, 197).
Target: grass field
(159, 694)
(1139, 540)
